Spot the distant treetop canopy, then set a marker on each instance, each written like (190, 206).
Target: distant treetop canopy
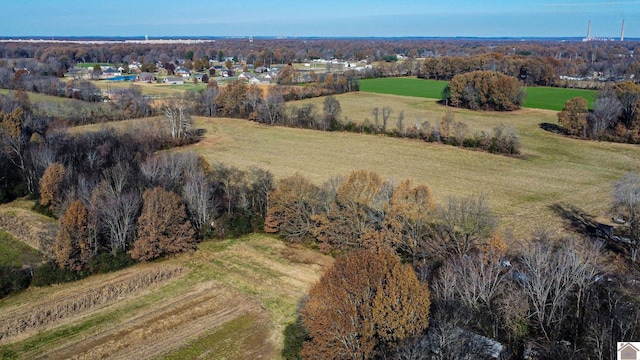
(484, 90)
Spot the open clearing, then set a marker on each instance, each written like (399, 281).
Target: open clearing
(554, 170)
(229, 300)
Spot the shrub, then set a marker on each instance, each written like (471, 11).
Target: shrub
(49, 274)
(106, 262)
(13, 279)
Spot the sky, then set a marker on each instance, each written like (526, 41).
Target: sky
(327, 18)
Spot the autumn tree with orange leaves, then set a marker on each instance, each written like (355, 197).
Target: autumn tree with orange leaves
(51, 185)
(367, 303)
(291, 207)
(358, 209)
(71, 246)
(163, 227)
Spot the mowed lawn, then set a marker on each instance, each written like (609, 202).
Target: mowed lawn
(549, 98)
(554, 170)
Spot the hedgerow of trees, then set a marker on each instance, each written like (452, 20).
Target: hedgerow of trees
(615, 115)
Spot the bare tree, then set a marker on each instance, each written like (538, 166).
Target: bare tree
(179, 121)
(462, 225)
(200, 201)
(271, 110)
(386, 114)
(626, 201)
(554, 275)
(376, 113)
(117, 213)
(606, 110)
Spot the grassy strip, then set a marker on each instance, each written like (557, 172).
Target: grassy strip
(223, 342)
(16, 253)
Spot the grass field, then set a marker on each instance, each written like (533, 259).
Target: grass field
(554, 98)
(549, 98)
(555, 169)
(404, 86)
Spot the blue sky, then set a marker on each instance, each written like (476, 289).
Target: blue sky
(510, 18)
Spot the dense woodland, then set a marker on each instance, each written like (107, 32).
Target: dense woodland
(413, 278)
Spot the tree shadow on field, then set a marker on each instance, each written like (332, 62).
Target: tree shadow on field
(554, 128)
(575, 219)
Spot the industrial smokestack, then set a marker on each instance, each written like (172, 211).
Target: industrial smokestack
(622, 32)
(589, 30)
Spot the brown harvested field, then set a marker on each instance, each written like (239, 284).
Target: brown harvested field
(554, 170)
(35, 230)
(231, 299)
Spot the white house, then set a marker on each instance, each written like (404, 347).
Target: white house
(173, 80)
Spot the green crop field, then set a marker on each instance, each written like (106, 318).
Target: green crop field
(405, 87)
(548, 98)
(551, 98)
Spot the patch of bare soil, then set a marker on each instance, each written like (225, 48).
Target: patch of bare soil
(163, 327)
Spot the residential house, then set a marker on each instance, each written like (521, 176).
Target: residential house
(244, 77)
(255, 81)
(110, 72)
(174, 80)
(204, 78)
(146, 77)
(182, 72)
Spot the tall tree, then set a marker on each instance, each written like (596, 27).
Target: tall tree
(292, 205)
(573, 116)
(626, 201)
(51, 185)
(200, 199)
(606, 110)
(367, 302)
(409, 215)
(71, 246)
(163, 227)
(462, 225)
(358, 208)
(331, 112)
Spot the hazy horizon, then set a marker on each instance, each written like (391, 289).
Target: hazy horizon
(329, 18)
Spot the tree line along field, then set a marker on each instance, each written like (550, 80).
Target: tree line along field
(554, 170)
(549, 98)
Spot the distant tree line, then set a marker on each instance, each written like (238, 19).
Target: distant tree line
(533, 62)
(615, 115)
